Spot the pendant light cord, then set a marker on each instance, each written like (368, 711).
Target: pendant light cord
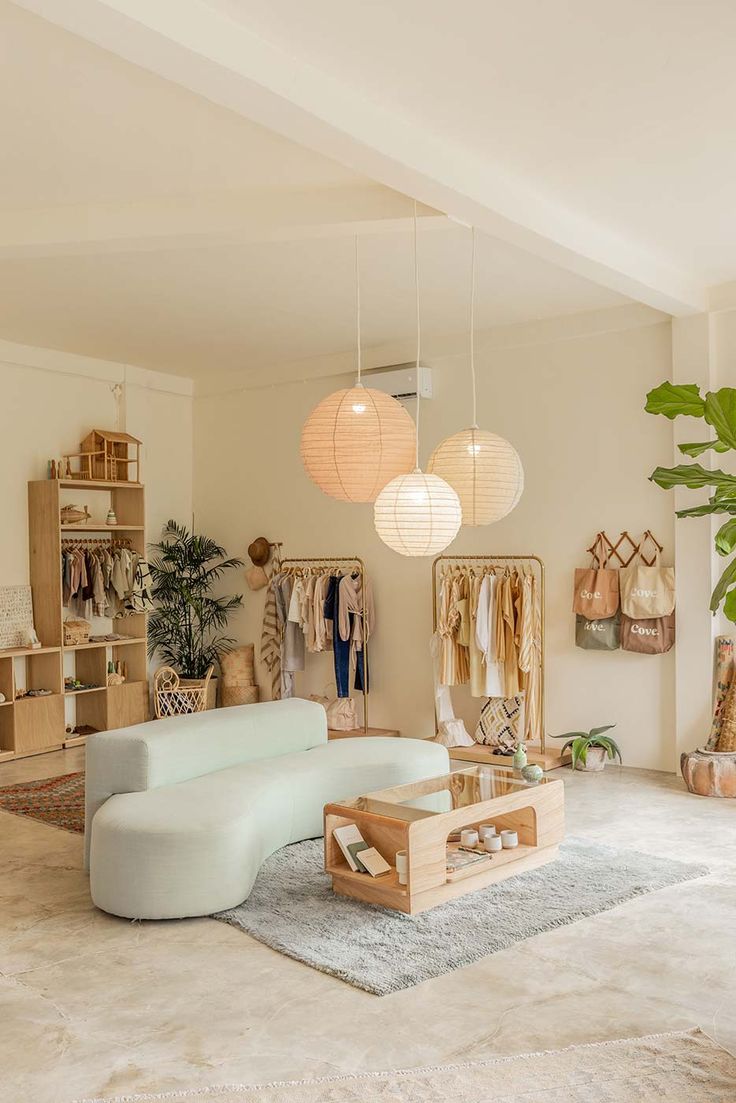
(472, 328)
(357, 304)
(419, 326)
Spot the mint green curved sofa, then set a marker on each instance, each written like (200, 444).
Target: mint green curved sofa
(182, 812)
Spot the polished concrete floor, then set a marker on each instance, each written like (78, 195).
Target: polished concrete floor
(91, 1005)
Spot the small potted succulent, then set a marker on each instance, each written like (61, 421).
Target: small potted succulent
(591, 749)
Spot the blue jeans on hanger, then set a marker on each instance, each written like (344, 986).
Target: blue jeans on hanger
(341, 648)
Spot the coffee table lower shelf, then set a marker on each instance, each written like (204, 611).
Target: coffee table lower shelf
(385, 891)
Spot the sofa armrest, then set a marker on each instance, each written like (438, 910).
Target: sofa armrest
(163, 752)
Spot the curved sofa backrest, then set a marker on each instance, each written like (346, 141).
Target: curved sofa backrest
(163, 752)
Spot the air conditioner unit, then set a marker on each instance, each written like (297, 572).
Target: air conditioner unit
(400, 380)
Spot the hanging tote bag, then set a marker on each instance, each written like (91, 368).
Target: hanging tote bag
(648, 636)
(647, 592)
(598, 635)
(596, 588)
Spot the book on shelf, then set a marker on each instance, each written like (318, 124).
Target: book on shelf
(462, 859)
(361, 857)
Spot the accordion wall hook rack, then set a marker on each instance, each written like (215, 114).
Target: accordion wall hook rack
(625, 550)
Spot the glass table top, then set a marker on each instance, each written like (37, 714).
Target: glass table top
(438, 795)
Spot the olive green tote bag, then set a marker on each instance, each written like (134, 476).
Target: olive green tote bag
(598, 635)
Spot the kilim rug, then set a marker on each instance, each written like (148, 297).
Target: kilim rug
(684, 1067)
(58, 801)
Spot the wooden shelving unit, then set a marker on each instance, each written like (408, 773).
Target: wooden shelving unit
(32, 725)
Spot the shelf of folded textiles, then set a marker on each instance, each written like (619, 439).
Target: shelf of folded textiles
(87, 689)
(123, 641)
(92, 526)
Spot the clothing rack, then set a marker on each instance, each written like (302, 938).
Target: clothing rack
(492, 561)
(339, 562)
(72, 541)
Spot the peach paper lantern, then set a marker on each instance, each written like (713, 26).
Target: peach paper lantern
(417, 514)
(355, 441)
(484, 469)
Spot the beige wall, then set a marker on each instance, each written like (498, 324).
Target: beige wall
(50, 400)
(570, 396)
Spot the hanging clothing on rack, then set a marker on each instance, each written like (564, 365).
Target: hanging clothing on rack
(486, 674)
(104, 579)
(343, 648)
(488, 632)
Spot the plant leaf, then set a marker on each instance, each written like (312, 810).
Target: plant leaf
(599, 731)
(726, 537)
(714, 505)
(693, 475)
(720, 412)
(725, 582)
(729, 605)
(694, 450)
(674, 400)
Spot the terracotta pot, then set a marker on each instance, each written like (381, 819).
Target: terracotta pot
(595, 760)
(710, 773)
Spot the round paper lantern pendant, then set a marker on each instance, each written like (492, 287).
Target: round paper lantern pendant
(484, 469)
(417, 514)
(355, 441)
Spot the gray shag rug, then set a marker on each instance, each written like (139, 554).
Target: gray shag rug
(293, 909)
(682, 1067)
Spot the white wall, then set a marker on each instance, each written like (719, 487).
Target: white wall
(570, 396)
(49, 401)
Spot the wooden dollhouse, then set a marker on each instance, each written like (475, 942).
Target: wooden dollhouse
(106, 456)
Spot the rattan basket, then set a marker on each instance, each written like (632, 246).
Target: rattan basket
(174, 697)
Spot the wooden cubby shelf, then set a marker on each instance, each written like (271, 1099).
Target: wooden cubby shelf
(31, 725)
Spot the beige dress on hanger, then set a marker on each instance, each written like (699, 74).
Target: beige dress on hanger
(485, 673)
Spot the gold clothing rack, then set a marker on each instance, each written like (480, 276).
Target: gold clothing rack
(311, 564)
(493, 561)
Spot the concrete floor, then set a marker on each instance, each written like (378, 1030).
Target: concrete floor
(91, 1005)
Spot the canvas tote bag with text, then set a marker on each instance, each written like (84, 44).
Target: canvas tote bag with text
(598, 635)
(647, 592)
(596, 588)
(648, 636)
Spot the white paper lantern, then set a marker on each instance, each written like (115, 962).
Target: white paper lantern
(355, 441)
(484, 469)
(417, 514)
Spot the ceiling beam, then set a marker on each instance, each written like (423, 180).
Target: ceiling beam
(208, 221)
(190, 43)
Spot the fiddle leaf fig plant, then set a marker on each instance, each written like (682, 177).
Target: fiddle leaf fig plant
(718, 411)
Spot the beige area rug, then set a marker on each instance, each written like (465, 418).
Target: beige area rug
(684, 1067)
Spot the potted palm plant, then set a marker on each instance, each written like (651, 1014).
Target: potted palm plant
(591, 749)
(187, 625)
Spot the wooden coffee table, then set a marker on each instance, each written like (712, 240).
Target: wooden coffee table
(419, 817)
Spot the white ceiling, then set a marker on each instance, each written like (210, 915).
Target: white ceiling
(78, 125)
(621, 112)
(251, 306)
(143, 223)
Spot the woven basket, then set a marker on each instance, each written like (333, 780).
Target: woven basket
(173, 697)
(238, 667)
(239, 695)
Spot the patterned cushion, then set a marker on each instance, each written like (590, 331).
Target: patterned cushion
(500, 722)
